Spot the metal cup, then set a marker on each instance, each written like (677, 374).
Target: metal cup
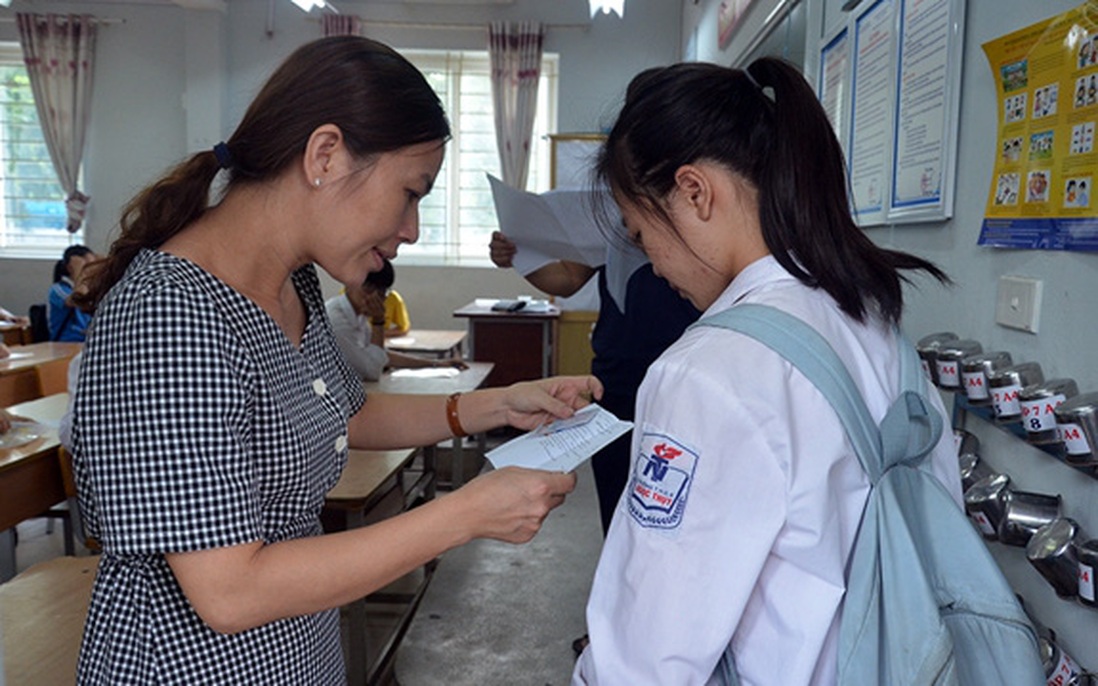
(972, 470)
(1005, 386)
(1024, 513)
(1051, 550)
(1077, 424)
(950, 355)
(985, 502)
(1039, 403)
(1087, 554)
(927, 347)
(975, 370)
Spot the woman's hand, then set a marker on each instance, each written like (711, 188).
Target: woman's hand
(531, 403)
(501, 250)
(510, 504)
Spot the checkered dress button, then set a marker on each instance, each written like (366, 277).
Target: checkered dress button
(197, 424)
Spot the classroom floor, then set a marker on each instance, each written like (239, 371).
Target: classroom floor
(494, 614)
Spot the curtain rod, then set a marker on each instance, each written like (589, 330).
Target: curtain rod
(435, 25)
(97, 20)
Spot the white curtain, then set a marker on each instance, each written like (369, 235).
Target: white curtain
(515, 53)
(59, 52)
(341, 25)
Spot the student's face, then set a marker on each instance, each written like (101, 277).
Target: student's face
(378, 212)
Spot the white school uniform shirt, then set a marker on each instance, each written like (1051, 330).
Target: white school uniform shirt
(352, 331)
(743, 501)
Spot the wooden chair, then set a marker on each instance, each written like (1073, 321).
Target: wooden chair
(53, 377)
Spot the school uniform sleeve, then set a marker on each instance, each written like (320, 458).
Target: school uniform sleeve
(705, 501)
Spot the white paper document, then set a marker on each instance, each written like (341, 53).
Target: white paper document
(426, 372)
(563, 444)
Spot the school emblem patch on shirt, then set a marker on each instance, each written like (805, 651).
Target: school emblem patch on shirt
(661, 481)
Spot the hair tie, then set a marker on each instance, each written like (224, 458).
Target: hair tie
(224, 157)
(767, 91)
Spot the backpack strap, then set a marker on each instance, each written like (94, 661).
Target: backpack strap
(810, 353)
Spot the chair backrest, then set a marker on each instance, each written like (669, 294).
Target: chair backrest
(925, 602)
(68, 481)
(53, 377)
(40, 323)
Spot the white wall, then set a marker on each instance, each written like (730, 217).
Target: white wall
(171, 81)
(1065, 346)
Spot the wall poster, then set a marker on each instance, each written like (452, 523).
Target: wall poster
(1046, 165)
(889, 81)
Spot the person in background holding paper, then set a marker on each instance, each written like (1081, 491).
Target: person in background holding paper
(745, 493)
(358, 322)
(214, 411)
(625, 341)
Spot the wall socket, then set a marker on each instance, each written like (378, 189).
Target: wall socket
(1018, 304)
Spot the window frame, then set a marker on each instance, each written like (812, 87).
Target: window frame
(451, 251)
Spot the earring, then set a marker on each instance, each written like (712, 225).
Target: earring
(316, 182)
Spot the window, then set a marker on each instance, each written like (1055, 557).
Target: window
(32, 203)
(458, 217)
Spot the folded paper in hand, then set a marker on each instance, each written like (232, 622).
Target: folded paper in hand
(563, 444)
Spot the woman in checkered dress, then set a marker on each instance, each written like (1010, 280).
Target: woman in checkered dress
(214, 410)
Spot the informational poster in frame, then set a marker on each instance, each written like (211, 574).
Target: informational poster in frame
(890, 82)
(924, 157)
(871, 107)
(572, 157)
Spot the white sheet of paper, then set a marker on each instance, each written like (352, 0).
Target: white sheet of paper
(427, 372)
(560, 225)
(561, 445)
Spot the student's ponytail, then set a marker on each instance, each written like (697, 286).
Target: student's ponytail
(805, 209)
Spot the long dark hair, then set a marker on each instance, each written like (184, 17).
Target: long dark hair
(378, 99)
(766, 125)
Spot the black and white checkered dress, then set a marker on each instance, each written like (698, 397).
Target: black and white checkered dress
(197, 424)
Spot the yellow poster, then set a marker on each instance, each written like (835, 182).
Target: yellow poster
(1046, 81)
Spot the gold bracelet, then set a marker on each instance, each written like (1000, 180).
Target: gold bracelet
(452, 416)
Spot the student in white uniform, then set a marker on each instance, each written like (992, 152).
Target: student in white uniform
(745, 494)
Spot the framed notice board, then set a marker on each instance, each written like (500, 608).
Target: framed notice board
(890, 80)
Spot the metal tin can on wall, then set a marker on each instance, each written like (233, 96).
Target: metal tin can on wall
(984, 503)
(1087, 554)
(1024, 513)
(975, 370)
(1039, 403)
(1006, 385)
(927, 347)
(950, 355)
(1051, 551)
(1077, 424)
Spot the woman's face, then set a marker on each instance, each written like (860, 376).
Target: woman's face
(77, 264)
(376, 211)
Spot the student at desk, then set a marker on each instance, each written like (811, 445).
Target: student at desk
(358, 322)
(387, 307)
(214, 411)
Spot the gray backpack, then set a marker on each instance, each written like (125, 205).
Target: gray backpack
(925, 602)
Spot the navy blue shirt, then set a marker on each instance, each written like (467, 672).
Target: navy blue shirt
(625, 344)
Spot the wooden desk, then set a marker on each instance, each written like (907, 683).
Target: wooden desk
(434, 342)
(14, 334)
(371, 478)
(30, 475)
(42, 615)
(466, 380)
(520, 344)
(17, 379)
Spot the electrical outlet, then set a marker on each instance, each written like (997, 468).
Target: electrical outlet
(1018, 304)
